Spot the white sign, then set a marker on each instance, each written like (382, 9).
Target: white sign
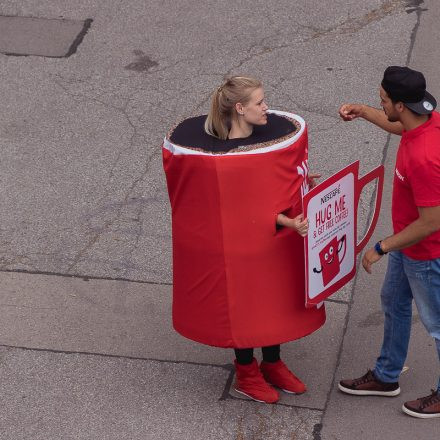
(331, 244)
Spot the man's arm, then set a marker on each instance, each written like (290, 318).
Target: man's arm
(348, 112)
(427, 223)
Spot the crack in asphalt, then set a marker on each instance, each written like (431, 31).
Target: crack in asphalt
(108, 223)
(348, 26)
(356, 24)
(84, 277)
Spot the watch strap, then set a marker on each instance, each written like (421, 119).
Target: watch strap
(378, 249)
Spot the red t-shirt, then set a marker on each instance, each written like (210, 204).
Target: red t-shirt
(417, 183)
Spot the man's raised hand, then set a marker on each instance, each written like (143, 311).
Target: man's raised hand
(348, 112)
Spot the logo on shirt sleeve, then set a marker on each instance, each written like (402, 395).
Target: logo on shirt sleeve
(400, 175)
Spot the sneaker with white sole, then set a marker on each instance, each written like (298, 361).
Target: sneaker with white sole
(277, 374)
(368, 385)
(425, 407)
(250, 382)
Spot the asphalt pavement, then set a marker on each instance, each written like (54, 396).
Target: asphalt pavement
(87, 349)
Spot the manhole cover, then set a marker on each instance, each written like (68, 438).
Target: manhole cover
(41, 36)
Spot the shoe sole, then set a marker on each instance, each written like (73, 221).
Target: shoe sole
(369, 393)
(419, 415)
(295, 393)
(253, 398)
(292, 392)
(287, 391)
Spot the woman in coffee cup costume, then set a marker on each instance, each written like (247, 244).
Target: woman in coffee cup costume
(235, 180)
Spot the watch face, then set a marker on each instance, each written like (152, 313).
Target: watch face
(378, 249)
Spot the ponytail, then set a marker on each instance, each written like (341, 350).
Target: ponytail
(216, 123)
(235, 89)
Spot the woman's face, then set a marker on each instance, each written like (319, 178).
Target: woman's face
(254, 112)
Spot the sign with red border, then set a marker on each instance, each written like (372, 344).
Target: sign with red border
(331, 244)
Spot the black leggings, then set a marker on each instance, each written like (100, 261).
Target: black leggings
(245, 355)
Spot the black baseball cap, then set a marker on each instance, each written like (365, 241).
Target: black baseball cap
(408, 86)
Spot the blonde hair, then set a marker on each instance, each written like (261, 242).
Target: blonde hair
(233, 90)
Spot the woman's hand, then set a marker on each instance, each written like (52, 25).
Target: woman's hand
(299, 223)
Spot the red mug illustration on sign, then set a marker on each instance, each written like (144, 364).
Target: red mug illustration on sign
(331, 260)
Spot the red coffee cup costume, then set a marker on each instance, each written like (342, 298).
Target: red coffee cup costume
(238, 280)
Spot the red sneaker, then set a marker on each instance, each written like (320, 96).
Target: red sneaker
(251, 383)
(277, 373)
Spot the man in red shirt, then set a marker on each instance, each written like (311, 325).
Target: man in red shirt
(414, 259)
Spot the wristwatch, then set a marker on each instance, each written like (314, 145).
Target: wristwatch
(378, 248)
